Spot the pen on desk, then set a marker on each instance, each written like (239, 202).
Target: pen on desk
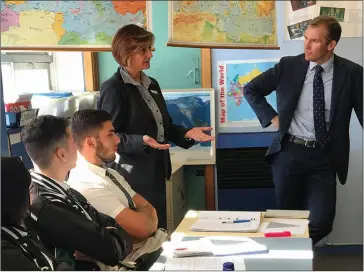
(235, 221)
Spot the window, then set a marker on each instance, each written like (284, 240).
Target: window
(39, 72)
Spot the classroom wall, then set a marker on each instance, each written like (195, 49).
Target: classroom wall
(4, 135)
(349, 197)
(172, 67)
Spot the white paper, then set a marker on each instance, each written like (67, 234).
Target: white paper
(203, 263)
(295, 226)
(228, 245)
(218, 226)
(213, 221)
(299, 13)
(228, 215)
(189, 248)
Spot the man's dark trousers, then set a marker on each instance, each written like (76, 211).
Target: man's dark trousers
(304, 175)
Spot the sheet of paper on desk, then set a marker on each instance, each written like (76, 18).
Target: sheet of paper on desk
(218, 226)
(229, 215)
(230, 245)
(295, 226)
(203, 263)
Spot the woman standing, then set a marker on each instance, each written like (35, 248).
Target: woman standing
(141, 119)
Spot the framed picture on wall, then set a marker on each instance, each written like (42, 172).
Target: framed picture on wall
(192, 108)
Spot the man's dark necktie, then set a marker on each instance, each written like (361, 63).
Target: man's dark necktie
(319, 108)
(117, 183)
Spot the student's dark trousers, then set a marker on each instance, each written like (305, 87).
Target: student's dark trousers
(305, 176)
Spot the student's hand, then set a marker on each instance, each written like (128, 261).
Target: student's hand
(154, 144)
(199, 135)
(275, 122)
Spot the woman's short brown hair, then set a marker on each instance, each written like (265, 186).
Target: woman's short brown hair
(128, 40)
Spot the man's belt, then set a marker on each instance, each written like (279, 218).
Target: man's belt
(300, 141)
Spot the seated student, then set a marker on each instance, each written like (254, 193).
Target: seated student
(104, 187)
(21, 249)
(63, 216)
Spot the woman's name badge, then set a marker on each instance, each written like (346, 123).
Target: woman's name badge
(153, 91)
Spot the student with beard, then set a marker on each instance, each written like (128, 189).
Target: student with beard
(61, 215)
(105, 188)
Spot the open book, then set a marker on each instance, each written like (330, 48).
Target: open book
(227, 221)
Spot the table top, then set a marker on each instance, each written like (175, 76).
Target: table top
(191, 217)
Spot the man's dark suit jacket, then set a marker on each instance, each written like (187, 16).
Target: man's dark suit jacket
(287, 78)
(145, 169)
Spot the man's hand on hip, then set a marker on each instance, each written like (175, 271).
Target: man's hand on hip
(275, 122)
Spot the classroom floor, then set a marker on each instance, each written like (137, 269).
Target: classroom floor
(333, 260)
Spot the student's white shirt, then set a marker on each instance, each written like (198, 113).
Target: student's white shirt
(91, 181)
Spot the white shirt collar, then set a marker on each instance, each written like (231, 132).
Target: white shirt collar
(83, 163)
(64, 185)
(327, 66)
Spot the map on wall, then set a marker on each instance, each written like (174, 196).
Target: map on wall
(67, 23)
(234, 110)
(192, 108)
(223, 23)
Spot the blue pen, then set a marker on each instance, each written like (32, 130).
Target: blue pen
(235, 221)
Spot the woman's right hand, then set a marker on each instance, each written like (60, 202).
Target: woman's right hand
(154, 144)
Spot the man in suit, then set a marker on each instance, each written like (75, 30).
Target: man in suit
(316, 92)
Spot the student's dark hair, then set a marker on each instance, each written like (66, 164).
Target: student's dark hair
(85, 122)
(332, 25)
(42, 136)
(15, 182)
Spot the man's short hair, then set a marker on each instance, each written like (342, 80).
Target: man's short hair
(42, 136)
(85, 122)
(332, 25)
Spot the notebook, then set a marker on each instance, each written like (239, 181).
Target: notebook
(223, 221)
(294, 214)
(200, 247)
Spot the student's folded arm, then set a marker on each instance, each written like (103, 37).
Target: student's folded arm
(143, 205)
(74, 231)
(137, 224)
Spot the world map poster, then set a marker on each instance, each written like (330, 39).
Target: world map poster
(223, 23)
(67, 23)
(234, 110)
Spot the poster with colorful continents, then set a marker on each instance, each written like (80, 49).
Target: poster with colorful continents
(70, 24)
(233, 109)
(237, 24)
(192, 108)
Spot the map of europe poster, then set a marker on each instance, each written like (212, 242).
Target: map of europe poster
(192, 108)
